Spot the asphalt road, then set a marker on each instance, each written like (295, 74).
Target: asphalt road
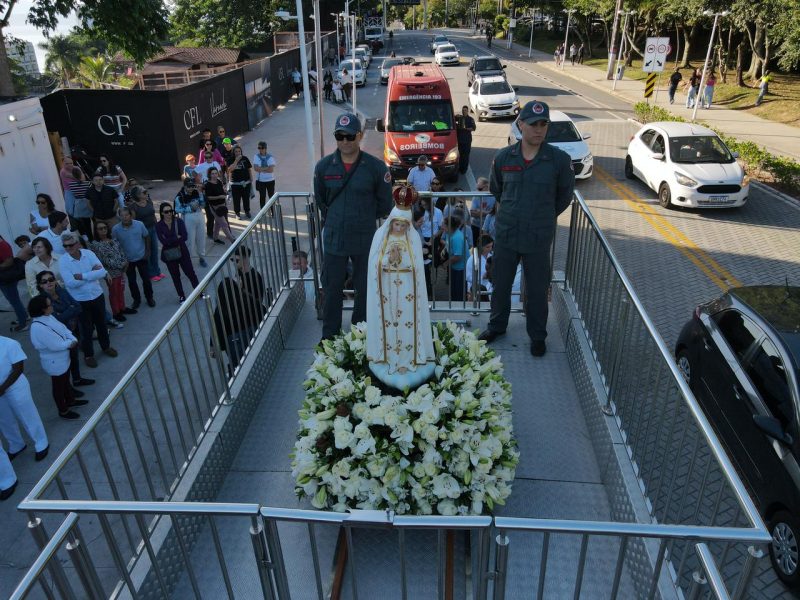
(675, 258)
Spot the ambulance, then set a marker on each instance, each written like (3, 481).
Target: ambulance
(419, 121)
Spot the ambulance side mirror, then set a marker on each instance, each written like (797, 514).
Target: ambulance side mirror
(379, 125)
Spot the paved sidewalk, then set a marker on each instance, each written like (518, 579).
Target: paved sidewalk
(777, 138)
(285, 135)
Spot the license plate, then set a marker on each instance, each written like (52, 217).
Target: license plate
(719, 199)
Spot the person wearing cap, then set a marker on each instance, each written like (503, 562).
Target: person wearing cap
(352, 190)
(532, 182)
(227, 152)
(421, 176)
(264, 167)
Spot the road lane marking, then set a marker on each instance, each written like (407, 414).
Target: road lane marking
(718, 274)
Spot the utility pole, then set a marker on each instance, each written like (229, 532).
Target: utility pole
(320, 69)
(612, 43)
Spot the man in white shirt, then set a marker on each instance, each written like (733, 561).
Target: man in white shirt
(203, 167)
(264, 169)
(17, 407)
(422, 175)
(81, 271)
(59, 223)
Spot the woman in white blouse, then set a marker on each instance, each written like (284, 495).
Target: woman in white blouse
(39, 221)
(43, 260)
(53, 341)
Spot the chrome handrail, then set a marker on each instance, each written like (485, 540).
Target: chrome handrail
(712, 573)
(727, 467)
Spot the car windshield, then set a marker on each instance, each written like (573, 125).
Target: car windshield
(699, 149)
(493, 88)
(440, 38)
(562, 131)
(447, 48)
(432, 115)
(488, 64)
(346, 64)
(389, 63)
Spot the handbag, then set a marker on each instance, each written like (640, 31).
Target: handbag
(13, 273)
(171, 254)
(221, 210)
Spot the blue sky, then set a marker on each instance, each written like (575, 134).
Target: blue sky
(17, 27)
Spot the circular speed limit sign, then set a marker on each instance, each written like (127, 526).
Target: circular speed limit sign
(650, 49)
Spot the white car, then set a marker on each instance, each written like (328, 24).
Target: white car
(492, 97)
(438, 40)
(446, 54)
(362, 55)
(359, 73)
(563, 134)
(688, 165)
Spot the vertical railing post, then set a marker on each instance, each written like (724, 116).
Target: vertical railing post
(85, 569)
(619, 342)
(313, 229)
(262, 559)
(41, 538)
(500, 566)
(698, 585)
(484, 540)
(217, 350)
(276, 557)
(753, 554)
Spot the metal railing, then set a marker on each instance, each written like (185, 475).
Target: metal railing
(155, 420)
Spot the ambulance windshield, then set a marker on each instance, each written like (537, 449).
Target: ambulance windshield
(420, 115)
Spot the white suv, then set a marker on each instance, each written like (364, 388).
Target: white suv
(492, 97)
(359, 74)
(446, 54)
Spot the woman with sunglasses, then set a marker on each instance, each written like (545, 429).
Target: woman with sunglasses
(43, 260)
(216, 198)
(216, 155)
(39, 221)
(67, 310)
(145, 211)
(110, 254)
(113, 175)
(172, 234)
(54, 343)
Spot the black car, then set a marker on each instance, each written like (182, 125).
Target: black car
(741, 357)
(484, 66)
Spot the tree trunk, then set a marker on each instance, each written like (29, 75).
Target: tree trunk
(756, 44)
(687, 45)
(6, 84)
(740, 63)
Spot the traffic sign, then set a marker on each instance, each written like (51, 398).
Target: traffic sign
(656, 50)
(650, 85)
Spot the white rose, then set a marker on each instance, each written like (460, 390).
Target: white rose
(372, 395)
(418, 471)
(391, 419)
(430, 434)
(446, 507)
(343, 389)
(446, 486)
(343, 438)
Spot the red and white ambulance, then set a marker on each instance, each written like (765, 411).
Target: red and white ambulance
(419, 121)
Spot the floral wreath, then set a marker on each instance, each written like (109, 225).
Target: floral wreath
(445, 448)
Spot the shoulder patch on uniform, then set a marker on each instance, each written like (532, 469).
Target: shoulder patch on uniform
(387, 177)
(511, 168)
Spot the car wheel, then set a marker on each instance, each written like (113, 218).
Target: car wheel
(685, 365)
(783, 551)
(664, 195)
(629, 168)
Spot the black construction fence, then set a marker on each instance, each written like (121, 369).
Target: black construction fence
(150, 132)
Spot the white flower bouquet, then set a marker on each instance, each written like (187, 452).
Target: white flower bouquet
(446, 447)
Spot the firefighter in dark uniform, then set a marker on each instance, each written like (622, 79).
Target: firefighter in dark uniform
(352, 189)
(532, 183)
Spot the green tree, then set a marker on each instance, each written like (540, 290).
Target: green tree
(94, 71)
(63, 56)
(134, 26)
(230, 23)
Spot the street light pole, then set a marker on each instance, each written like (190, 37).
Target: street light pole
(336, 16)
(566, 37)
(612, 46)
(623, 45)
(320, 69)
(717, 15)
(530, 45)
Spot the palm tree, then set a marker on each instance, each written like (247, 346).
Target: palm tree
(94, 71)
(63, 56)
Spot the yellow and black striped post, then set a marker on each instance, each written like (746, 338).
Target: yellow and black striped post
(650, 85)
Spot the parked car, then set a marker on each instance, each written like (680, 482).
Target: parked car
(446, 54)
(359, 73)
(362, 55)
(367, 46)
(740, 355)
(563, 134)
(438, 40)
(688, 165)
(493, 97)
(484, 66)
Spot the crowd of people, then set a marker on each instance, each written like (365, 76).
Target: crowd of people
(75, 264)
